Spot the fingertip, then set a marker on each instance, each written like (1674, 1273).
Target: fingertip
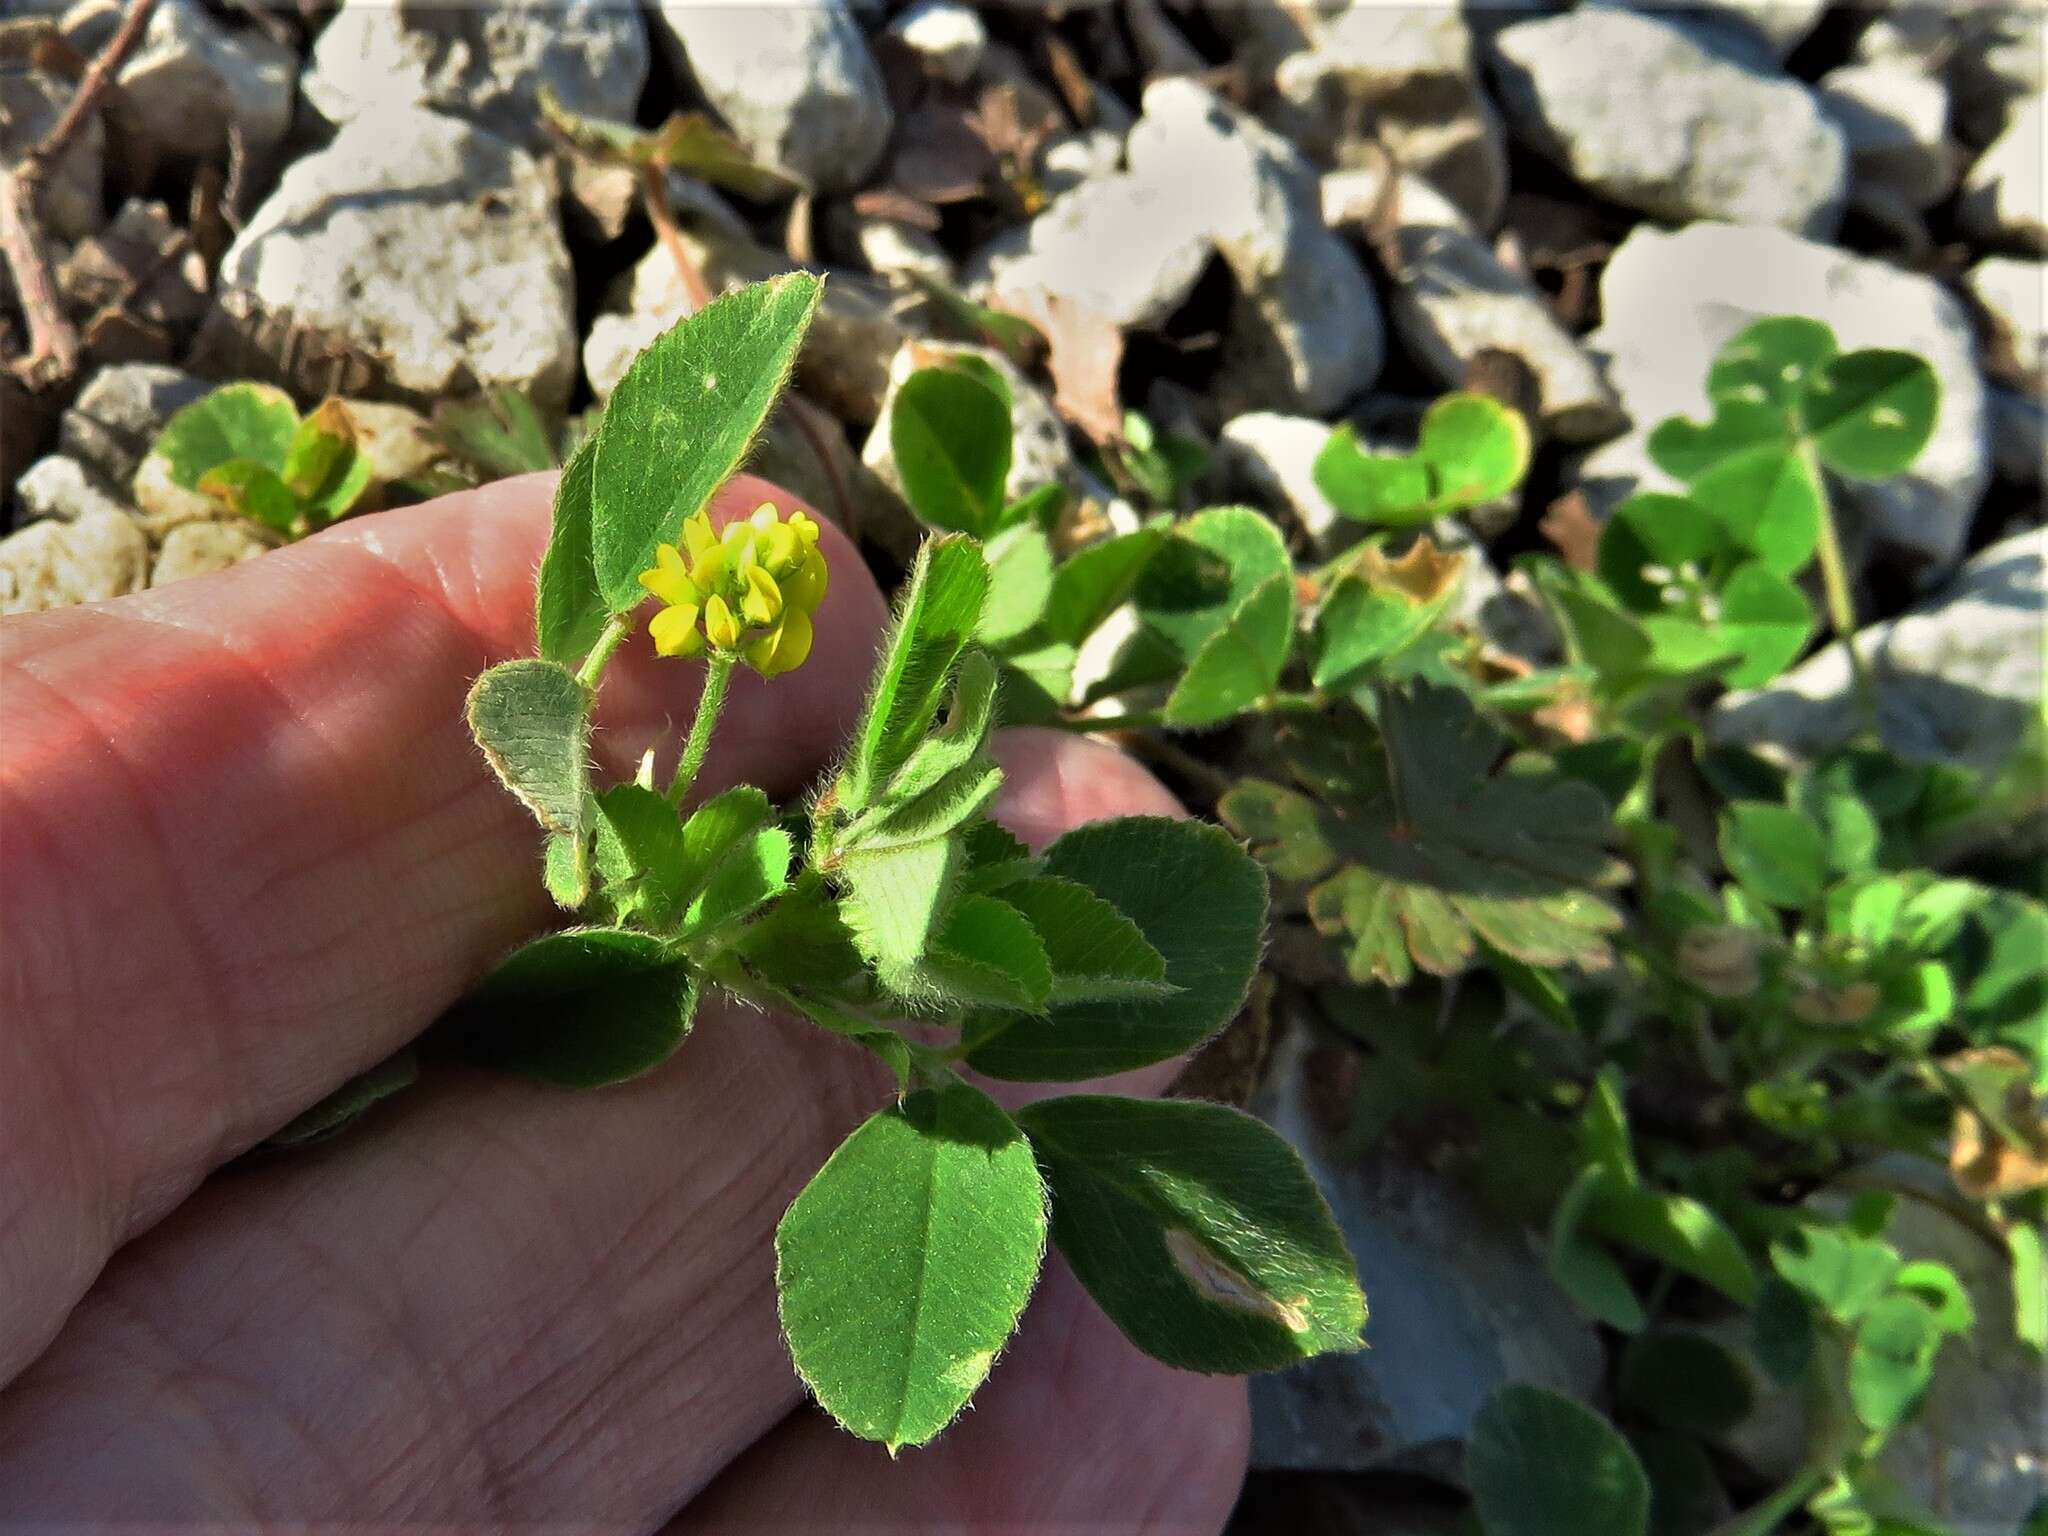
(1055, 781)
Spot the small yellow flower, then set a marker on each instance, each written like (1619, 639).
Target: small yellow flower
(753, 589)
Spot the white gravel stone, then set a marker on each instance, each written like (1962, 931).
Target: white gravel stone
(1306, 333)
(1957, 679)
(1456, 298)
(2003, 195)
(485, 63)
(63, 488)
(425, 244)
(2012, 291)
(191, 77)
(1652, 115)
(119, 414)
(1401, 80)
(948, 39)
(795, 81)
(1670, 301)
(73, 206)
(53, 564)
(1894, 118)
(1272, 456)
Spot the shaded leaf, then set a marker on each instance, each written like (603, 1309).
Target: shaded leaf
(237, 421)
(569, 611)
(1540, 1464)
(1197, 1230)
(1241, 662)
(1775, 852)
(252, 490)
(351, 1101)
(581, 1008)
(1020, 584)
(1096, 953)
(1871, 412)
(951, 437)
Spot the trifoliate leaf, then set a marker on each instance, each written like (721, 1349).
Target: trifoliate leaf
(751, 875)
(1197, 1230)
(1475, 449)
(1196, 899)
(531, 717)
(1392, 490)
(1769, 501)
(1892, 1359)
(1096, 953)
(237, 421)
(893, 900)
(1839, 1272)
(1767, 619)
(1650, 539)
(1542, 1464)
(682, 419)
(1197, 580)
(903, 1266)
(1421, 848)
(950, 434)
(639, 852)
(1768, 362)
(581, 1008)
(1379, 608)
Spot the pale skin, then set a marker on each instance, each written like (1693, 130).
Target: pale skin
(247, 849)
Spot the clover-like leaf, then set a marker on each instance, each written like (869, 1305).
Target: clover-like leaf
(1542, 1464)
(1651, 538)
(569, 610)
(1020, 585)
(903, 1266)
(1381, 607)
(1197, 1230)
(951, 437)
(237, 421)
(682, 419)
(581, 1008)
(255, 491)
(1769, 501)
(1197, 901)
(532, 720)
(1390, 489)
(1767, 619)
(1095, 953)
(1092, 583)
(322, 465)
(1768, 362)
(1241, 662)
(1475, 448)
(1774, 852)
(1422, 849)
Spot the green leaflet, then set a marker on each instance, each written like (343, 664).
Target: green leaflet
(1541, 1464)
(950, 433)
(253, 422)
(1469, 449)
(580, 1008)
(569, 611)
(1775, 852)
(989, 955)
(892, 902)
(1096, 954)
(252, 490)
(1198, 578)
(941, 606)
(531, 718)
(1196, 899)
(1197, 1230)
(1871, 412)
(321, 466)
(1020, 584)
(1241, 662)
(682, 419)
(751, 875)
(904, 1265)
(353, 1099)
(1092, 583)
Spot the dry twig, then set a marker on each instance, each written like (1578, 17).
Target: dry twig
(52, 340)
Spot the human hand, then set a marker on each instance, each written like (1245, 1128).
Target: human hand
(246, 850)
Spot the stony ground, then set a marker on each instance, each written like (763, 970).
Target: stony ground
(1249, 220)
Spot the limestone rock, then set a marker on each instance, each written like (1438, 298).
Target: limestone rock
(416, 255)
(194, 549)
(55, 564)
(947, 38)
(1958, 679)
(1894, 119)
(1306, 332)
(1455, 299)
(64, 489)
(1649, 114)
(2003, 195)
(1399, 80)
(485, 63)
(119, 414)
(30, 104)
(796, 83)
(191, 77)
(2011, 291)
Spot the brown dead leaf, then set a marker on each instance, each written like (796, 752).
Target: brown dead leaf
(1084, 351)
(1998, 1146)
(1573, 530)
(1422, 575)
(901, 207)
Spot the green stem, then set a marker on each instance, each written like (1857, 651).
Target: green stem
(600, 655)
(1834, 579)
(709, 702)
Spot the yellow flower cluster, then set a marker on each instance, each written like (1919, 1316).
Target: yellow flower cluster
(753, 591)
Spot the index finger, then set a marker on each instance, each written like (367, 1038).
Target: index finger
(250, 848)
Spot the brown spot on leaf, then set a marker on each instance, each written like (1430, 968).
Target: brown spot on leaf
(1218, 1281)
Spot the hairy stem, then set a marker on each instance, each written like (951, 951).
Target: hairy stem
(601, 653)
(716, 676)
